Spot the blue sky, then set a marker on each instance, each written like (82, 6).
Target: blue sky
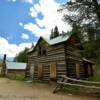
(22, 22)
(10, 15)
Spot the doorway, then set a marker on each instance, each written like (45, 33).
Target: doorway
(31, 71)
(53, 71)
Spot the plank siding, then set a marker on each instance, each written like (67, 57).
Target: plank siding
(54, 54)
(61, 69)
(60, 53)
(73, 57)
(46, 72)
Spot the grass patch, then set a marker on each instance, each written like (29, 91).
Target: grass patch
(80, 91)
(95, 78)
(75, 89)
(17, 77)
(39, 81)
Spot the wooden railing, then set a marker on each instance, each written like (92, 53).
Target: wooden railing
(76, 83)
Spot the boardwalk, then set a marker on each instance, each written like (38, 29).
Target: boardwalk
(15, 90)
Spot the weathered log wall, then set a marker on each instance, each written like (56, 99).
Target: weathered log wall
(65, 55)
(13, 72)
(54, 54)
(73, 57)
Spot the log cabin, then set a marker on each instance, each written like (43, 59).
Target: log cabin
(12, 68)
(15, 69)
(51, 58)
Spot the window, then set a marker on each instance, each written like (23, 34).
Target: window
(39, 51)
(42, 51)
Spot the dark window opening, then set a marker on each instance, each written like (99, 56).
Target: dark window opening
(39, 51)
(42, 51)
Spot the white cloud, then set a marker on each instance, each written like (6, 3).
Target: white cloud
(11, 49)
(24, 1)
(34, 28)
(51, 18)
(27, 1)
(33, 12)
(21, 24)
(12, 0)
(25, 36)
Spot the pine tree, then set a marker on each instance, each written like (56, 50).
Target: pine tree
(83, 12)
(22, 56)
(54, 33)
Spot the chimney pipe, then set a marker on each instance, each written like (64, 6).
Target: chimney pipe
(4, 59)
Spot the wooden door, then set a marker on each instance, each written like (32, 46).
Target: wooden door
(77, 70)
(40, 71)
(32, 71)
(53, 70)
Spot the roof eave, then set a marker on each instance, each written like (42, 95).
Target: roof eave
(38, 42)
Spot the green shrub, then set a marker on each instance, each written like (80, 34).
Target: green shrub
(95, 78)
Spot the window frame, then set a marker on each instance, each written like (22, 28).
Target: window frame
(42, 51)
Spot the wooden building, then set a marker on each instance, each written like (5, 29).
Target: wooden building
(51, 58)
(12, 68)
(15, 69)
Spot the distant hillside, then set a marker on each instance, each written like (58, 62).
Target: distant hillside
(10, 58)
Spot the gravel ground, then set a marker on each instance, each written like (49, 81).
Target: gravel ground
(17, 90)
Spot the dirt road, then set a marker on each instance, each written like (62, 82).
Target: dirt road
(16, 90)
